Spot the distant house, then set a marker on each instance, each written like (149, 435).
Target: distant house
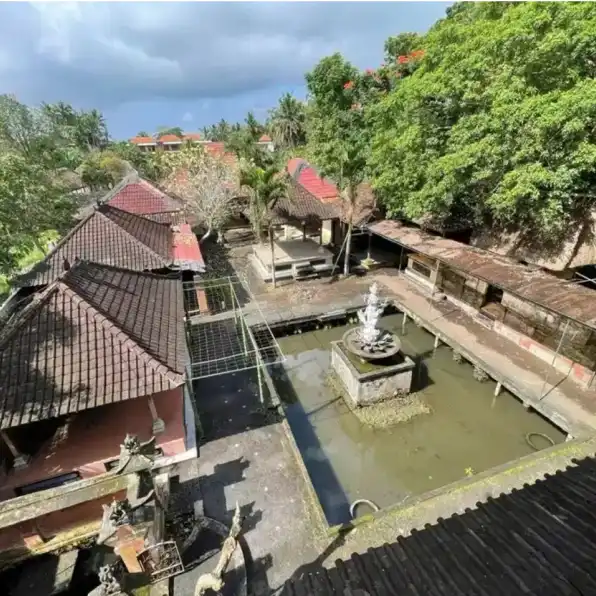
(99, 353)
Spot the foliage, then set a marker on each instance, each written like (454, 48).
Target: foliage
(206, 183)
(265, 186)
(143, 133)
(337, 133)
(104, 169)
(287, 122)
(32, 203)
(221, 131)
(169, 130)
(494, 120)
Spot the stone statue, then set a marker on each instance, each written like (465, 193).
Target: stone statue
(120, 512)
(213, 581)
(108, 584)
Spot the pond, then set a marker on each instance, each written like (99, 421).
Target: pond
(468, 430)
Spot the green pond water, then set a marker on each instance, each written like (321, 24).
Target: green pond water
(467, 432)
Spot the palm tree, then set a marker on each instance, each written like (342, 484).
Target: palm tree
(287, 121)
(266, 186)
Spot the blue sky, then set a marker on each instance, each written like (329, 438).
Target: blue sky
(186, 64)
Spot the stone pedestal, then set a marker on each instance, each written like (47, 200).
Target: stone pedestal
(381, 383)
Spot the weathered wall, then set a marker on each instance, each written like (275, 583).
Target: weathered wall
(95, 436)
(31, 534)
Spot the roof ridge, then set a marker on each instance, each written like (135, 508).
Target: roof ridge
(130, 213)
(37, 300)
(140, 242)
(80, 262)
(116, 330)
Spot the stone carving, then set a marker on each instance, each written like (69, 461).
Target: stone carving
(119, 512)
(108, 584)
(136, 456)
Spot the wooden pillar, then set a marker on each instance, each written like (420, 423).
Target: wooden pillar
(368, 249)
(303, 231)
(158, 425)
(20, 459)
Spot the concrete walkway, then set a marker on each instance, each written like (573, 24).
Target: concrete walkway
(565, 402)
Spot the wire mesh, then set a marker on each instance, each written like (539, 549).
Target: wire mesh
(227, 331)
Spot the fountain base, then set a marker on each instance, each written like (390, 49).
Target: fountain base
(368, 383)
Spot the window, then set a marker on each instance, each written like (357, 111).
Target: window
(113, 463)
(283, 267)
(420, 268)
(54, 482)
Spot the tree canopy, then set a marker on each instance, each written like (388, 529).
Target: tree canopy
(493, 118)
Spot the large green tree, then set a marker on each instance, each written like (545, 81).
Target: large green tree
(496, 120)
(337, 132)
(32, 203)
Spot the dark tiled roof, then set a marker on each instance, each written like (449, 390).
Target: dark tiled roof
(531, 284)
(300, 205)
(537, 540)
(97, 335)
(109, 236)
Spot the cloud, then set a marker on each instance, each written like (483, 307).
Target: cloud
(109, 54)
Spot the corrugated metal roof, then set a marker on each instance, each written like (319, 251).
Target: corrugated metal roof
(539, 540)
(534, 285)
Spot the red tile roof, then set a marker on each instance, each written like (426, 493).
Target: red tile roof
(141, 197)
(95, 336)
(218, 149)
(186, 249)
(265, 139)
(139, 140)
(192, 136)
(308, 177)
(170, 139)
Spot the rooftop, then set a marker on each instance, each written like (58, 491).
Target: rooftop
(537, 540)
(559, 296)
(109, 236)
(139, 196)
(96, 335)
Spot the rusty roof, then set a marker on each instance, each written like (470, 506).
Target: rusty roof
(559, 296)
(95, 336)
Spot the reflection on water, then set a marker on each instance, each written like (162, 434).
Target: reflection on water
(467, 432)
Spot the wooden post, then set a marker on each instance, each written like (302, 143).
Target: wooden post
(403, 323)
(20, 459)
(271, 244)
(158, 425)
(369, 242)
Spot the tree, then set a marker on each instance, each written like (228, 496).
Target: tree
(104, 169)
(253, 127)
(495, 121)
(287, 122)
(170, 130)
(206, 183)
(32, 203)
(265, 187)
(337, 131)
(143, 133)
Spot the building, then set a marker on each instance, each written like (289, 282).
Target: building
(552, 318)
(537, 540)
(99, 353)
(174, 143)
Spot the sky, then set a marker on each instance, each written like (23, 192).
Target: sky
(187, 64)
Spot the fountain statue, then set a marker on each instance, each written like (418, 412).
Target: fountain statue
(368, 362)
(368, 341)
